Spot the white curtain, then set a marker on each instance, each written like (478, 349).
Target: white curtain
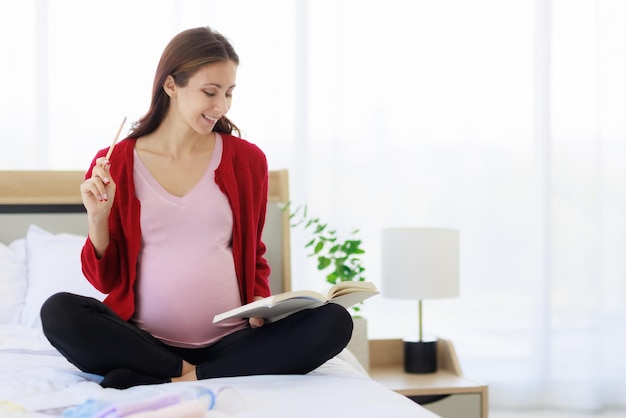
(505, 119)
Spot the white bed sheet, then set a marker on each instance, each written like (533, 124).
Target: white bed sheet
(35, 378)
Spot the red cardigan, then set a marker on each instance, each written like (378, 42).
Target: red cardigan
(242, 176)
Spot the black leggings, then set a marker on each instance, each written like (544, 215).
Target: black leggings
(96, 340)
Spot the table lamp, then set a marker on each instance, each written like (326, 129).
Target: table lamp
(418, 264)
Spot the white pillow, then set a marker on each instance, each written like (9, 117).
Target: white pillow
(53, 265)
(12, 281)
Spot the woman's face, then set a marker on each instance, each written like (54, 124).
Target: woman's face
(207, 96)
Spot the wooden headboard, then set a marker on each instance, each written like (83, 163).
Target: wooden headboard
(51, 200)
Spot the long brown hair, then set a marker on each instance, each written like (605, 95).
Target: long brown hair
(183, 56)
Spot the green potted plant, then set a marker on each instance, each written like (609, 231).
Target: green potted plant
(339, 259)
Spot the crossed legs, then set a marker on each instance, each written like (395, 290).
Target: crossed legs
(96, 340)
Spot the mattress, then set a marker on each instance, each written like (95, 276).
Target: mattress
(36, 381)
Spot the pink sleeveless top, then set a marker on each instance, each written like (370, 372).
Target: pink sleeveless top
(186, 274)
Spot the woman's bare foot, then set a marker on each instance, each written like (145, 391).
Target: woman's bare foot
(187, 367)
(187, 377)
(188, 373)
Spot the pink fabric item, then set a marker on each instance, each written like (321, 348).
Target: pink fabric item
(195, 408)
(186, 272)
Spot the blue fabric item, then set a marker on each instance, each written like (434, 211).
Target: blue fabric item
(89, 408)
(206, 392)
(106, 409)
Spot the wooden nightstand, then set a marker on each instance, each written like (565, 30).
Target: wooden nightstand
(462, 397)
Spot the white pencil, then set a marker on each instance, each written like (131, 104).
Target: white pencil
(116, 138)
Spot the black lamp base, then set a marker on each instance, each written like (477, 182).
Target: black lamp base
(420, 356)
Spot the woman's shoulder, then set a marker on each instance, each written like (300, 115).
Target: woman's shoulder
(122, 154)
(237, 141)
(126, 144)
(239, 146)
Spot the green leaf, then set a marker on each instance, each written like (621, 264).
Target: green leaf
(346, 271)
(323, 262)
(318, 247)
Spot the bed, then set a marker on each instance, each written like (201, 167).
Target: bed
(42, 228)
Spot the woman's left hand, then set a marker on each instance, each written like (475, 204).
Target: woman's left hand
(256, 322)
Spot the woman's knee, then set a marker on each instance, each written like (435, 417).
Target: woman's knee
(57, 310)
(339, 319)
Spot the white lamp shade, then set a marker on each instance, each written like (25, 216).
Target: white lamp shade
(420, 263)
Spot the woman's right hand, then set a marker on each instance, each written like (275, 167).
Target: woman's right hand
(98, 192)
